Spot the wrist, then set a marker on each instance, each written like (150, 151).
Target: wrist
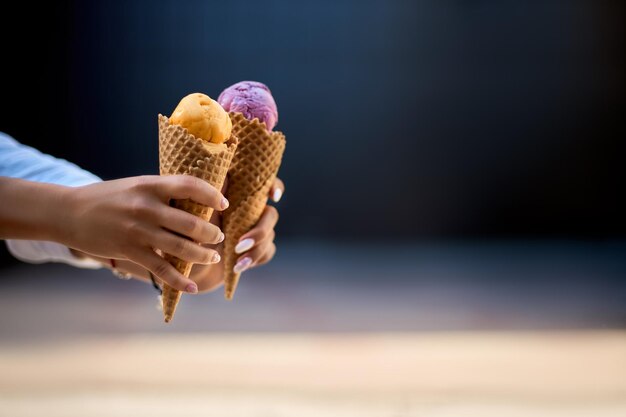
(30, 210)
(63, 206)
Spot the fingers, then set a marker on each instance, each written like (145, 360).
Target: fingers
(164, 271)
(257, 246)
(268, 255)
(261, 254)
(185, 249)
(277, 190)
(181, 187)
(189, 225)
(260, 232)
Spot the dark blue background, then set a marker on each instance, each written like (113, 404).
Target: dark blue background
(404, 119)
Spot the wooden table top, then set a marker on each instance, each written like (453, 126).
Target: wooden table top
(436, 374)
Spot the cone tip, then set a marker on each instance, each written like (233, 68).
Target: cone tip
(229, 291)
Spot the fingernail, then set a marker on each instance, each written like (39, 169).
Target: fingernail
(221, 238)
(192, 288)
(242, 265)
(278, 193)
(216, 258)
(244, 245)
(224, 203)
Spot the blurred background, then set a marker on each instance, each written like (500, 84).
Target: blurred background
(450, 166)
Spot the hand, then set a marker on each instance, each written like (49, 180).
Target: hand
(210, 277)
(256, 247)
(128, 219)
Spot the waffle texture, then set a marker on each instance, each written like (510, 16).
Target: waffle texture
(250, 177)
(180, 153)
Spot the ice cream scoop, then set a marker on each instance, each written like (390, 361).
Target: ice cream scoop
(252, 99)
(203, 117)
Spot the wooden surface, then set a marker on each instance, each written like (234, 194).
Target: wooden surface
(436, 374)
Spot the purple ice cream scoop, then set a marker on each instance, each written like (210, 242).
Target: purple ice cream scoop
(252, 99)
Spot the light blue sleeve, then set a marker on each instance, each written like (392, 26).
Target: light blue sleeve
(21, 161)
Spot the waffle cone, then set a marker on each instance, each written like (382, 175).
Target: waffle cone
(182, 153)
(250, 177)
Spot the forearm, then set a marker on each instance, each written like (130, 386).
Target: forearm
(31, 210)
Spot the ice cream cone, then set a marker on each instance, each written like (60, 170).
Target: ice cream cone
(250, 177)
(182, 153)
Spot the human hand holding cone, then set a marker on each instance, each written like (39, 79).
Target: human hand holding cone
(182, 153)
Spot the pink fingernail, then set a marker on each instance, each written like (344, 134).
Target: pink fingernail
(244, 245)
(192, 288)
(224, 203)
(242, 265)
(216, 258)
(221, 238)
(278, 193)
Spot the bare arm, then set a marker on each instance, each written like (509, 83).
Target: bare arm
(27, 207)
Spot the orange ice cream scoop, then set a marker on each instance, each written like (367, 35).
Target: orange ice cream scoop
(203, 117)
